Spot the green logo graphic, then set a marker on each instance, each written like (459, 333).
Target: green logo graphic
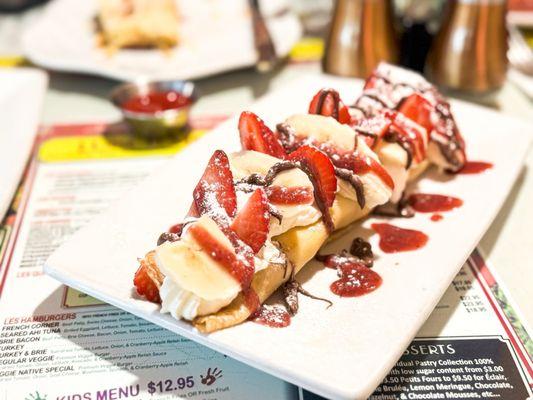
(36, 396)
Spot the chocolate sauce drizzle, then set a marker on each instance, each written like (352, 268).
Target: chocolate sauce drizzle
(273, 211)
(360, 251)
(393, 137)
(401, 209)
(287, 136)
(324, 209)
(259, 180)
(287, 133)
(446, 138)
(168, 237)
(355, 182)
(290, 291)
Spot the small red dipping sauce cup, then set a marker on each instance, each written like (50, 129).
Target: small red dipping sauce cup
(155, 109)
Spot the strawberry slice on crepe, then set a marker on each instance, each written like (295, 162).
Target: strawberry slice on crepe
(215, 194)
(252, 222)
(147, 280)
(321, 172)
(255, 135)
(417, 109)
(327, 102)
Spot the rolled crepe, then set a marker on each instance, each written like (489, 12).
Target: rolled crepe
(299, 243)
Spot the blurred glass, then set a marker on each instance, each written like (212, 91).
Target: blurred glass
(469, 52)
(361, 35)
(420, 21)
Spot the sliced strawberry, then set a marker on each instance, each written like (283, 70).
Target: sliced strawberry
(289, 195)
(252, 222)
(411, 133)
(215, 194)
(255, 135)
(145, 284)
(327, 102)
(372, 129)
(321, 172)
(176, 228)
(237, 263)
(372, 80)
(418, 109)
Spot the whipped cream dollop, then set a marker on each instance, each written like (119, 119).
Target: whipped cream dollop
(183, 303)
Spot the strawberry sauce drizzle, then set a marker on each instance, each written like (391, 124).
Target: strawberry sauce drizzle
(436, 217)
(355, 278)
(430, 203)
(240, 270)
(474, 167)
(272, 316)
(289, 195)
(251, 300)
(394, 239)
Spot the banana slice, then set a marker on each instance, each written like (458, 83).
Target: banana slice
(194, 283)
(325, 129)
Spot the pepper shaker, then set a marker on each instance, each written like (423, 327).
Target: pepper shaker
(361, 35)
(469, 54)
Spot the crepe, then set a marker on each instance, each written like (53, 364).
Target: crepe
(138, 23)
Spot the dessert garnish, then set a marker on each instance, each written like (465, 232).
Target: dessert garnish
(474, 167)
(356, 277)
(259, 215)
(430, 203)
(274, 316)
(393, 239)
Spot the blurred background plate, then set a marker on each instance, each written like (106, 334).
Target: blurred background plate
(214, 37)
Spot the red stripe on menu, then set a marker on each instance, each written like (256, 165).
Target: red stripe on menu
(21, 211)
(98, 128)
(481, 268)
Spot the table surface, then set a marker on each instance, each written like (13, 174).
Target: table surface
(508, 244)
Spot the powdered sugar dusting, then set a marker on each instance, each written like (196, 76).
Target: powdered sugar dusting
(272, 316)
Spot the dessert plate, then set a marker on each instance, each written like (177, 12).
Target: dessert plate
(341, 352)
(215, 36)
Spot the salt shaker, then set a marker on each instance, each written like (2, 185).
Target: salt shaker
(361, 35)
(469, 54)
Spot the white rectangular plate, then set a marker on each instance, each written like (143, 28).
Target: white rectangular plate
(340, 352)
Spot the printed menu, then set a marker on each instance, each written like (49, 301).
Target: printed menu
(57, 343)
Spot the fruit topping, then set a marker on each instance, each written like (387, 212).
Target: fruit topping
(321, 172)
(417, 109)
(238, 266)
(327, 102)
(289, 195)
(252, 222)
(147, 280)
(255, 135)
(214, 194)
